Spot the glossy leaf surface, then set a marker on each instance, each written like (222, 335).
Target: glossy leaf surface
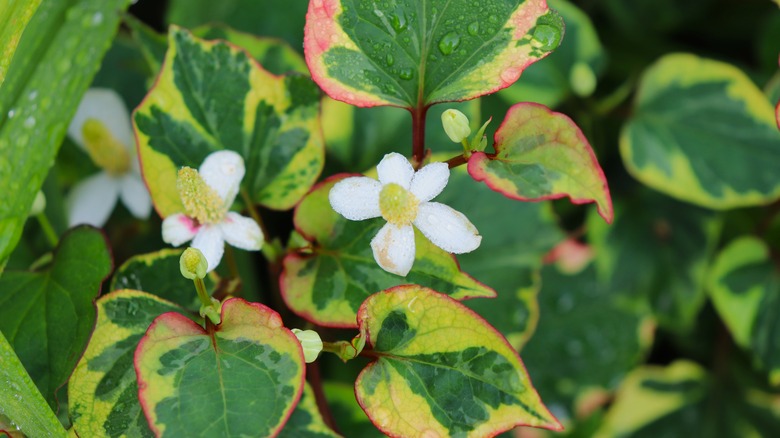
(211, 96)
(441, 370)
(103, 392)
(744, 284)
(412, 53)
(55, 59)
(539, 155)
(250, 369)
(702, 132)
(327, 282)
(48, 316)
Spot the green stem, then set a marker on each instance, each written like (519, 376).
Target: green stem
(250, 206)
(48, 231)
(204, 297)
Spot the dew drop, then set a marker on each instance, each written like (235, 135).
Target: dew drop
(11, 113)
(398, 21)
(406, 74)
(97, 18)
(473, 28)
(33, 94)
(29, 122)
(389, 60)
(449, 43)
(547, 37)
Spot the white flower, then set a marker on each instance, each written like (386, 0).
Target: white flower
(207, 194)
(102, 128)
(402, 197)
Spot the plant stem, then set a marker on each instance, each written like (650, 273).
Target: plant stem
(48, 231)
(418, 134)
(203, 295)
(231, 262)
(315, 380)
(456, 161)
(250, 205)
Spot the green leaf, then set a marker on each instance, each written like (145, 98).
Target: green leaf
(551, 80)
(683, 400)
(55, 59)
(103, 393)
(586, 339)
(657, 252)
(350, 418)
(14, 17)
(441, 370)
(744, 284)
(22, 403)
(541, 154)
(249, 367)
(306, 420)
(416, 53)
(702, 132)
(48, 316)
(327, 282)
(158, 273)
(211, 96)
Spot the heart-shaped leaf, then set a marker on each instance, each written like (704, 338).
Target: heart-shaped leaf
(327, 282)
(48, 316)
(103, 392)
(441, 370)
(414, 53)
(541, 154)
(704, 133)
(211, 96)
(249, 368)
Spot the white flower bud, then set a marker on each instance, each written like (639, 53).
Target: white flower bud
(456, 125)
(311, 343)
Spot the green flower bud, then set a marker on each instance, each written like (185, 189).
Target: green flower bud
(193, 264)
(582, 79)
(39, 204)
(311, 343)
(456, 125)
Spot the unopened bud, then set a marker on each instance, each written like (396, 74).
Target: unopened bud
(311, 343)
(456, 125)
(39, 204)
(582, 79)
(193, 264)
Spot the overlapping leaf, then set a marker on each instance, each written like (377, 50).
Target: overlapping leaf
(306, 420)
(48, 316)
(249, 369)
(211, 96)
(412, 53)
(542, 154)
(441, 370)
(328, 281)
(704, 133)
(744, 284)
(103, 392)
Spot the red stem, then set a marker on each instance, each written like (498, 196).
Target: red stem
(457, 161)
(418, 134)
(315, 380)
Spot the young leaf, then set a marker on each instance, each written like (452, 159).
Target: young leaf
(327, 282)
(414, 53)
(22, 403)
(48, 316)
(744, 284)
(211, 96)
(702, 132)
(249, 369)
(306, 420)
(56, 57)
(541, 154)
(102, 392)
(441, 370)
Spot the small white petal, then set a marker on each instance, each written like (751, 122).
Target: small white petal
(429, 181)
(241, 232)
(91, 201)
(447, 228)
(178, 228)
(209, 241)
(395, 168)
(223, 172)
(134, 195)
(394, 249)
(106, 106)
(356, 198)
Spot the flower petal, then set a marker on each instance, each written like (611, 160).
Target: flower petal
(447, 228)
(105, 105)
(92, 200)
(209, 241)
(241, 232)
(178, 228)
(356, 198)
(395, 168)
(223, 172)
(429, 181)
(134, 195)
(394, 249)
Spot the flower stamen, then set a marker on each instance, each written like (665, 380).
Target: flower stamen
(398, 205)
(106, 151)
(200, 201)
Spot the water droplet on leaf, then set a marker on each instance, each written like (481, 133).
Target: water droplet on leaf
(473, 28)
(406, 74)
(390, 60)
(449, 43)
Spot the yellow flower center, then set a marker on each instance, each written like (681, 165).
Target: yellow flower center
(106, 151)
(200, 201)
(398, 205)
